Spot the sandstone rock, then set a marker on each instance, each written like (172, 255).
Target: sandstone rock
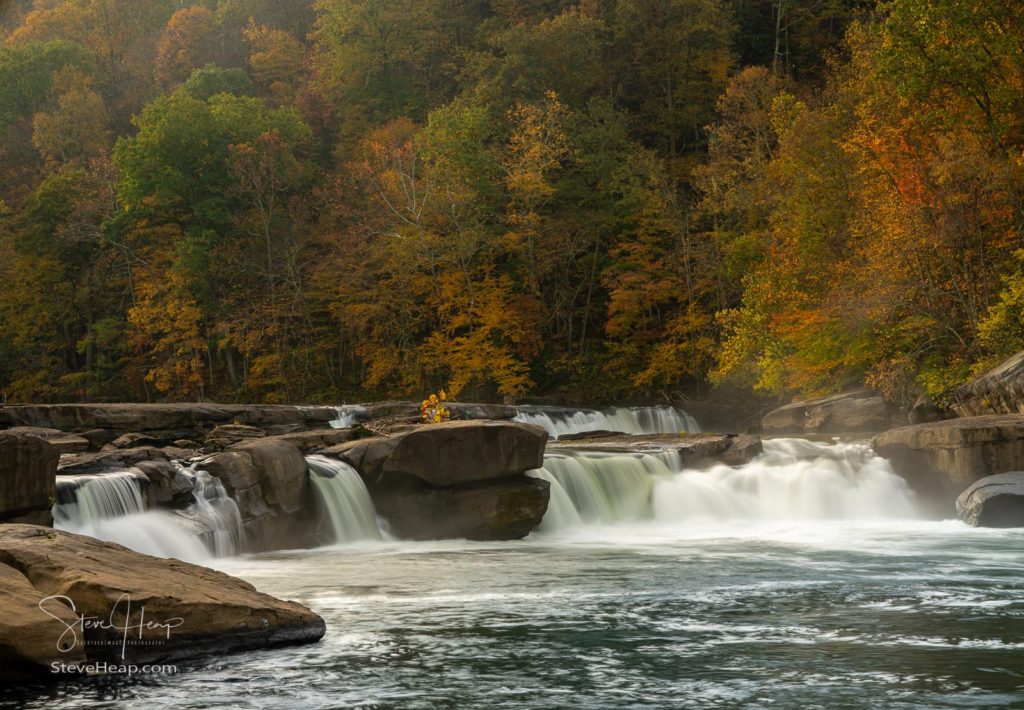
(133, 440)
(924, 411)
(941, 459)
(168, 486)
(28, 489)
(994, 501)
(120, 458)
(317, 439)
(223, 436)
(505, 509)
(853, 412)
(281, 471)
(28, 636)
(997, 391)
(188, 420)
(194, 610)
(63, 443)
(448, 454)
(268, 480)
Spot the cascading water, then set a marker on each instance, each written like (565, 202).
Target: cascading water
(217, 514)
(793, 479)
(348, 414)
(344, 498)
(109, 506)
(627, 420)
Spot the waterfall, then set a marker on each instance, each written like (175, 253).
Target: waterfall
(793, 479)
(344, 499)
(217, 514)
(109, 506)
(600, 488)
(86, 499)
(627, 420)
(348, 414)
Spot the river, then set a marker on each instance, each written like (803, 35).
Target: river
(802, 580)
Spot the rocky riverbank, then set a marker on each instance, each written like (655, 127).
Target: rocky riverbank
(141, 609)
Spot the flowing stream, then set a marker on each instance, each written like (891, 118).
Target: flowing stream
(804, 579)
(627, 420)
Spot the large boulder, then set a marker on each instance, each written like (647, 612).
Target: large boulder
(997, 391)
(223, 436)
(849, 413)
(941, 459)
(448, 454)
(994, 501)
(189, 610)
(268, 479)
(454, 480)
(507, 509)
(28, 471)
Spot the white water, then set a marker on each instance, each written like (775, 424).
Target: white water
(218, 513)
(793, 480)
(627, 420)
(347, 415)
(344, 498)
(109, 506)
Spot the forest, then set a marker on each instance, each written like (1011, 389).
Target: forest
(343, 200)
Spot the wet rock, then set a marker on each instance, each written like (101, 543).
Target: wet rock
(849, 413)
(507, 509)
(133, 440)
(268, 480)
(941, 459)
(695, 450)
(28, 489)
(450, 453)
(191, 610)
(994, 502)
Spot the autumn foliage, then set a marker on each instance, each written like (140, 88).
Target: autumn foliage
(265, 201)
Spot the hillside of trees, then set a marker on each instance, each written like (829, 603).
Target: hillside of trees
(286, 201)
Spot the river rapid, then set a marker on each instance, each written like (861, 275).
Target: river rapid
(802, 580)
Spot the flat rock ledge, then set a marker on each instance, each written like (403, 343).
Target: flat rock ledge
(994, 502)
(694, 450)
(49, 579)
(941, 459)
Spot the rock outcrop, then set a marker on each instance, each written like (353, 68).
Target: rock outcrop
(163, 422)
(28, 470)
(504, 509)
(994, 502)
(941, 459)
(849, 413)
(456, 479)
(268, 479)
(189, 610)
(448, 454)
(63, 443)
(997, 391)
